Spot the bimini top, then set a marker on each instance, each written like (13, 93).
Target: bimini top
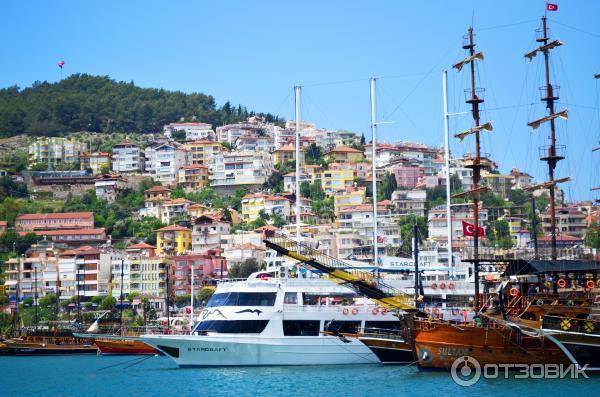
(521, 267)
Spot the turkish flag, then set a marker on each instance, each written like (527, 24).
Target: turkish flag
(61, 64)
(551, 7)
(469, 230)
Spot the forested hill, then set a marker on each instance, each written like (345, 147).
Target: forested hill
(97, 103)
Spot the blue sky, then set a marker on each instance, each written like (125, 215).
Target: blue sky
(253, 52)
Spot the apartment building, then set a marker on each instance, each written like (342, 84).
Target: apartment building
(127, 157)
(55, 221)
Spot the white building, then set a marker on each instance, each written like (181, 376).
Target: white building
(240, 168)
(438, 221)
(108, 187)
(193, 131)
(207, 232)
(127, 157)
(163, 161)
(410, 202)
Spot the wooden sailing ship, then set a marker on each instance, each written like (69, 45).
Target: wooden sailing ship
(494, 338)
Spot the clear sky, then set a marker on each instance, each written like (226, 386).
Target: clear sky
(253, 52)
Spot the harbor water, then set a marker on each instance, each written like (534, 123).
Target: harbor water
(158, 376)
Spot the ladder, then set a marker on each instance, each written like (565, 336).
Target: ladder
(363, 282)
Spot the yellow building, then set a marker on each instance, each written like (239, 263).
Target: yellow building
(344, 154)
(193, 177)
(173, 239)
(333, 181)
(498, 184)
(253, 204)
(195, 210)
(287, 153)
(350, 196)
(203, 150)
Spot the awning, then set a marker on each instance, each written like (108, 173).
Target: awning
(522, 267)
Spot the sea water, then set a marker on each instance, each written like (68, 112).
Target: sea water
(114, 376)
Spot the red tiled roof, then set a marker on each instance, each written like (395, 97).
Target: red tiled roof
(562, 237)
(194, 166)
(173, 228)
(344, 149)
(56, 215)
(140, 246)
(157, 189)
(4, 223)
(287, 148)
(66, 232)
(248, 246)
(203, 142)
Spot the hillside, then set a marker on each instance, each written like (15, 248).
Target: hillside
(83, 102)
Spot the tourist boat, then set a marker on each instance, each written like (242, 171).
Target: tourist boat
(270, 319)
(46, 344)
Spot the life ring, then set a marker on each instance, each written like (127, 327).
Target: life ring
(539, 302)
(433, 286)
(428, 310)
(354, 311)
(590, 284)
(561, 283)
(442, 285)
(451, 286)
(436, 312)
(384, 311)
(514, 291)
(345, 311)
(375, 310)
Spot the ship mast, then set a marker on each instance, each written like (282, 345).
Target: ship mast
(596, 76)
(552, 153)
(474, 98)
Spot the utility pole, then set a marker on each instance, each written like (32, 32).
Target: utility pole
(35, 295)
(534, 229)
(121, 296)
(191, 297)
(374, 172)
(416, 259)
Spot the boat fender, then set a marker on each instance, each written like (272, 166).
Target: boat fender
(345, 311)
(354, 311)
(375, 310)
(561, 283)
(451, 286)
(590, 284)
(514, 291)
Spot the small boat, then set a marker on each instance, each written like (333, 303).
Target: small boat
(46, 344)
(122, 346)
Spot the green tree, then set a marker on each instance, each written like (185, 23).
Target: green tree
(313, 154)
(406, 224)
(592, 237)
(388, 186)
(108, 303)
(305, 190)
(204, 295)
(244, 269)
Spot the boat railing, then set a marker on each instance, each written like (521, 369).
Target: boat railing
(362, 308)
(570, 324)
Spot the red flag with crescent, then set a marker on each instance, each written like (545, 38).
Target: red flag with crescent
(551, 7)
(469, 230)
(61, 64)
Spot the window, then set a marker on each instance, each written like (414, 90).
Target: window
(384, 325)
(301, 327)
(243, 299)
(291, 298)
(342, 326)
(232, 326)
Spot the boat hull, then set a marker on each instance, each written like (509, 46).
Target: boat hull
(438, 345)
(581, 349)
(390, 351)
(124, 347)
(242, 350)
(16, 349)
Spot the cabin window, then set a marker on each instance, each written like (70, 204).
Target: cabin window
(382, 325)
(232, 326)
(342, 326)
(243, 299)
(291, 298)
(301, 327)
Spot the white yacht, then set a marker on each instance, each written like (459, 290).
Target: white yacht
(270, 320)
